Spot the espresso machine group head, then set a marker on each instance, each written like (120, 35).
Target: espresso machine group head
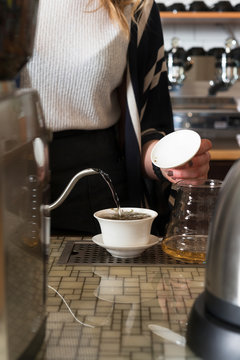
(227, 65)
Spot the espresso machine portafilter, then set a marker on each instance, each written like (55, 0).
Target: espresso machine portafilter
(213, 330)
(24, 178)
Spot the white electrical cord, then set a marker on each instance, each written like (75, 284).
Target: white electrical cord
(80, 322)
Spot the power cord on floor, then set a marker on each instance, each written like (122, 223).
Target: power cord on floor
(68, 307)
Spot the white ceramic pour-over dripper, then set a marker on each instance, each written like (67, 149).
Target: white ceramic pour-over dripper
(175, 149)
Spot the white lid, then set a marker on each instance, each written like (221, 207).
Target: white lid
(175, 149)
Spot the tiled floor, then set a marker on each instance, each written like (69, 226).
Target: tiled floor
(117, 306)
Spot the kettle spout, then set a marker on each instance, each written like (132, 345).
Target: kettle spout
(47, 208)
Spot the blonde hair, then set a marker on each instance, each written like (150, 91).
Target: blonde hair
(115, 9)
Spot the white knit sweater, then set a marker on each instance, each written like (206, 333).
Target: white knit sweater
(78, 62)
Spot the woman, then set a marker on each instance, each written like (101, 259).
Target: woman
(99, 68)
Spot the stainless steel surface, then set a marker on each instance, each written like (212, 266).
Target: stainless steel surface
(217, 119)
(88, 253)
(203, 68)
(213, 125)
(23, 186)
(223, 255)
(204, 103)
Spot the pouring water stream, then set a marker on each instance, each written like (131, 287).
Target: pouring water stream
(108, 180)
(46, 209)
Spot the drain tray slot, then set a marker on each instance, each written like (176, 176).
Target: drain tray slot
(88, 253)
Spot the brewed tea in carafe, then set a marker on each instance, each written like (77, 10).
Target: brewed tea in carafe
(187, 232)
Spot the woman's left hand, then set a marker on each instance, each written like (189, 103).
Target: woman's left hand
(196, 168)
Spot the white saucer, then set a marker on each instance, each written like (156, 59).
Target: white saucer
(175, 149)
(125, 252)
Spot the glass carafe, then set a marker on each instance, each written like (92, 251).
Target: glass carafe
(187, 231)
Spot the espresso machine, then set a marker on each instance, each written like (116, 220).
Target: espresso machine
(24, 178)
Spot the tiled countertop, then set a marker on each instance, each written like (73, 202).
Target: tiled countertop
(120, 307)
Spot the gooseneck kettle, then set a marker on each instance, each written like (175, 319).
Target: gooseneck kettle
(213, 330)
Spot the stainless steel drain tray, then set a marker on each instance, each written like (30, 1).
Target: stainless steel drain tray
(88, 253)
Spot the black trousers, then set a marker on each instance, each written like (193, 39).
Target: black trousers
(72, 151)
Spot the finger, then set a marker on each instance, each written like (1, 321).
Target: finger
(200, 172)
(197, 160)
(201, 159)
(168, 174)
(190, 163)
(199, 168)
(205, 146)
